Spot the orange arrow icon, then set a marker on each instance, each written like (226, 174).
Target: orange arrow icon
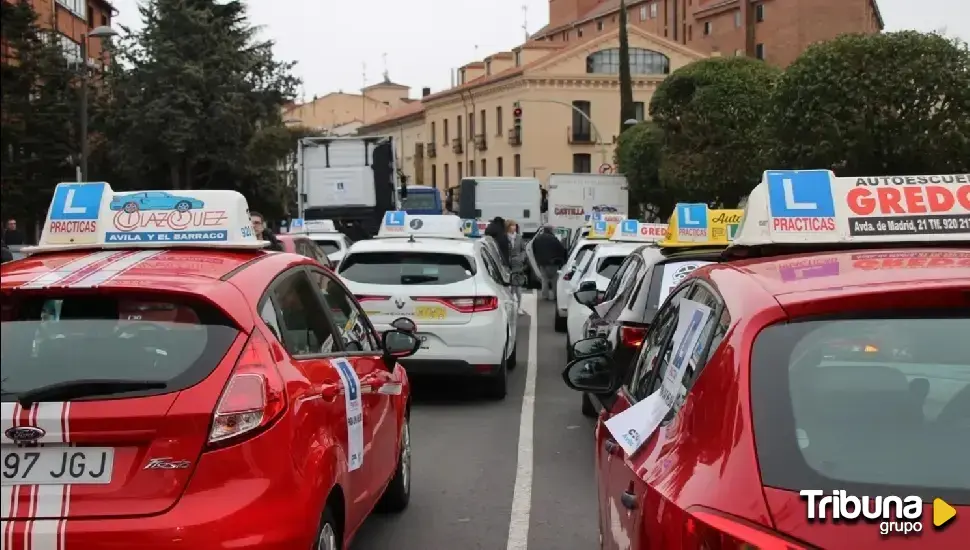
(942, 512)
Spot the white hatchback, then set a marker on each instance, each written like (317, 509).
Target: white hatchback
(599, 271)
(455, 290)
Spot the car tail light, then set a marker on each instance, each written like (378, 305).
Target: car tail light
(632, 336)
(710, 530)
(569, 275)
(370, 298)
(254, 397)
(463, 304)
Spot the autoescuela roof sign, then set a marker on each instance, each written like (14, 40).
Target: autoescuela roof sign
(473, 228)
(816, 207)
(398, 223)
(693, 225)
(92, 215)
(634, 231)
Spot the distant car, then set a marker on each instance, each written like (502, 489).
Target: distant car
(154, 200)
(296, 243)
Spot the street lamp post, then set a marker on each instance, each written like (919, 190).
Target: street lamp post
(100, 32)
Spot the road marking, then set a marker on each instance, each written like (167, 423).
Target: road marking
(522, 495)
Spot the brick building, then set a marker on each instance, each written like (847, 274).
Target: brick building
(774, 30)
(72, 20)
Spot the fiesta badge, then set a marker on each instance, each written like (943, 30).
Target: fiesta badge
(24, 434)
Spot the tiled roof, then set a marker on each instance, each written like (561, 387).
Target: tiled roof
(604, 8)
(404, 111)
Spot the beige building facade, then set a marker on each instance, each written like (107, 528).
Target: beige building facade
(570, 101)
(341, 113)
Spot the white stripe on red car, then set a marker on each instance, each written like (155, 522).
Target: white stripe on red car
(115, 268)
(70, 268)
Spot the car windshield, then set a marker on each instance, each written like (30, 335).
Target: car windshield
(879, 403)
(406, 268)
(329, 246)
(419, 201)
(55, 339)
(608, 266)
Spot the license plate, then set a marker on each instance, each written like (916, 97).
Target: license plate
(429, 312)
(57, 465)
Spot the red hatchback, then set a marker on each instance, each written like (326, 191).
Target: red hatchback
(825, 403)
(195, 398)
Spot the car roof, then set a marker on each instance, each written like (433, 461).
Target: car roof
(616, 249)
(418, 244)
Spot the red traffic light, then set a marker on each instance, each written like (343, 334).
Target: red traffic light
(517, 112)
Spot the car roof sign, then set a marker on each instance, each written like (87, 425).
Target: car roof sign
(319, 226)
(696, 225)
(92, 215)
(815, 207)
(635, 231)
(398, 223)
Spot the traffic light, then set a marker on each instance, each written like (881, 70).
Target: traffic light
(517, 118)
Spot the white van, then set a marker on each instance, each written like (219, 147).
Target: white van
(517, 199)
(573, 198)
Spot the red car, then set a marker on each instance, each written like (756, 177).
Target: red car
(813, 374)
(195, 397)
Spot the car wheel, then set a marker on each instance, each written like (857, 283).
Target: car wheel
(328, 534)
(130, 207)
(183, 206)
(589, 410)
(560, 324)
(398, 493)
(513, 360)
(497, 387)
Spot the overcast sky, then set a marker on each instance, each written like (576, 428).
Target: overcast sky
(423, 40)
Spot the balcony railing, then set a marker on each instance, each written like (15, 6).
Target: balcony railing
(579, 136)
(480, 142)
(432, 149)
(515, 137)
(457, 146)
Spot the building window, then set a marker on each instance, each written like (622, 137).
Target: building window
(471, 125)
(484, 164)
(471, 169)
(581, 130)
(433, 140)
(434, 176)
(517, 165)
(582, 163)
(708, 27)
(759, 51)
(518, 58)
(498, 121)
(446, 131)
(498, 167)
(460, 172)
(690, 32)
(641, 62)
(70, 49)
(640, 111)
(447, 176)
(90, 17)
(459, 128)
(599, 25)
(484, 124)
(104, 19)
(737, 19)
(653, 10)
(579, 32)
(74, 6)
(759, 13)
(565, 36)
(643, 13)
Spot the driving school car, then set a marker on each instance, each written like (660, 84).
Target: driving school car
(456, 289)
(577, 257)
(824, 370)
(182, 388)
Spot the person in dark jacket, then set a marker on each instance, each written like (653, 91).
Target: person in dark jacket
(265, 233)
(550, 254)
(11, 235)
(496, 230)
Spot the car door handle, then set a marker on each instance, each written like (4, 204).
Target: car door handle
(629, 500)
(612, 447)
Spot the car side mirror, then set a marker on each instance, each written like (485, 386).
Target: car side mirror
(404, 325)
(590, 374)
(587, 285)
(398, 344)
(590, 347)
(586, 297)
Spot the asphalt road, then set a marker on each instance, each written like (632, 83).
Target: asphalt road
(470, 469)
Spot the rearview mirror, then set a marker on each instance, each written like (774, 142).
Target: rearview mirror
(404, 325)
(590, 347)
(587, 297)
(590, 374)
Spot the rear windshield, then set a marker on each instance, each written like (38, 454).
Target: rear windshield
(609, 266)
(420, 201)
(406, 268)
(878, 406)
(329, 247)
(55, 339)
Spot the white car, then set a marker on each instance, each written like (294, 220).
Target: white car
(324, 233)
(454, 288)
(577, 258)
(605, 262)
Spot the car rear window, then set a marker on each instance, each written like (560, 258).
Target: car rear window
(51, 339)
(878, 405)
(406, 268)
(609, 265)
(329, 247)
(419, 201)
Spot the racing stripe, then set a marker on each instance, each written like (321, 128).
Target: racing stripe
(49, 500)
(53, 277)
(10, 415)
(115, 268)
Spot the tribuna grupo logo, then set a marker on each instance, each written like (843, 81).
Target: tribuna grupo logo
(894, 515)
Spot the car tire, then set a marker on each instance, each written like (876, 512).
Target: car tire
(397, 495)
(183, 206)
(589, 410)
(498, 384)
(560, 324)
(130, 207)
(328, 534)
(513, 360)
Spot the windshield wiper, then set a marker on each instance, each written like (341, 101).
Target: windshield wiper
(73, 389)
(417, 279)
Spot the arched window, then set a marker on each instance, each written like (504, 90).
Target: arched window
(641, 62)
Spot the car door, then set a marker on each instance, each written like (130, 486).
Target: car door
(380, 387)
(294, 314)
(496, 275)
(638, 497)
(619, 519)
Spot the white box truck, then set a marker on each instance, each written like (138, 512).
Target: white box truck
(574, 197)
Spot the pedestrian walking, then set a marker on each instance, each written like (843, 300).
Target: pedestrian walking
(550, 254)
(11, 235)
(517, 261)
(496, 230)
(263, 232)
